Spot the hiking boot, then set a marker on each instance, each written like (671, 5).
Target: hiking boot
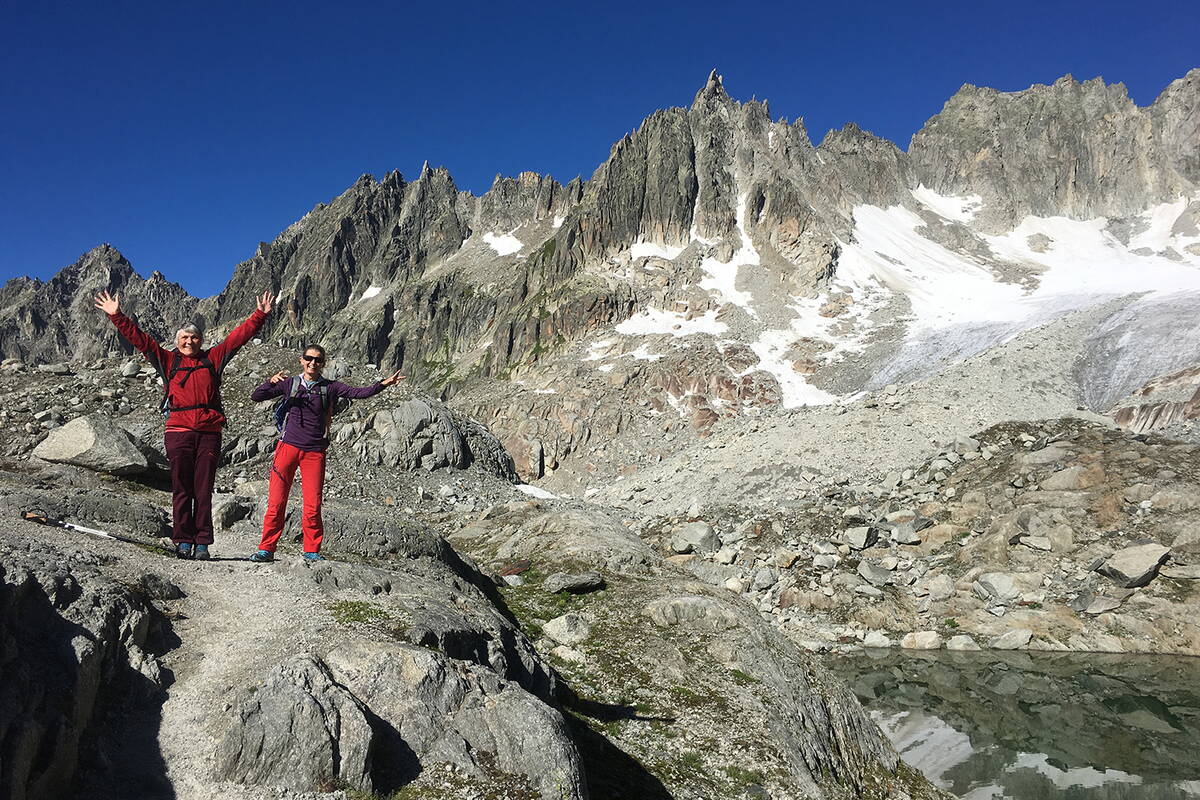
(313, 557)
(201, 552)
(183, 550)
(262, 557)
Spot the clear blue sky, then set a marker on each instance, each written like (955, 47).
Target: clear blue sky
(185, 133)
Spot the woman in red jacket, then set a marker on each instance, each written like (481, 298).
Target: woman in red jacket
(192, 405)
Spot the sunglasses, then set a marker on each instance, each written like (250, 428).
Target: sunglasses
(314, 359)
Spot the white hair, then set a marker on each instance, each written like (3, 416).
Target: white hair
(189, 328)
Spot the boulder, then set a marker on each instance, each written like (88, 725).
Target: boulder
(706, 613)
(921, 640)
(301, 730)
(694, 537)
(574, 584)
(877, 639)
(1015, 639)
(861, 537)
(569, 629)
(432, 709)
(873, 573)
(94, 442)
(1134, 566)
(998, 587)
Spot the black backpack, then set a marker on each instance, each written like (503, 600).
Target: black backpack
(284, 406)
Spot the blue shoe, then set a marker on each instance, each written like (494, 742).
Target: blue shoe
(263, 557)
(201, 552)
(313, 557)
(183, 550)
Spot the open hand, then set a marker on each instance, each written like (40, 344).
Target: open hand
(392, 379)
(277, 377)
(108, 303)
(264, 302)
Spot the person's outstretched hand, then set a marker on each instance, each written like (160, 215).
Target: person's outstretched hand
(108, 303)
(264, 302)
(277, 377)
(392, 379)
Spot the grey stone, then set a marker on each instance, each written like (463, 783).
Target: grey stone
(873, 574)
(580, 583)
(940, 587)
(921, 640)
(157, 587)
(824, 562)
(1102, 605)
(861, 537)
(705, 613)
(301, 730)
(876, 639)
(452, 712)
(965, 444)
(94, 442)
(68, 630)
(997, 586)
(130, 369)
(1037, 543)
(569, 629)
(1134, 566)
(694, 537)
(1015, 639)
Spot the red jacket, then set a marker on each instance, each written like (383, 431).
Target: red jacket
(193, 384)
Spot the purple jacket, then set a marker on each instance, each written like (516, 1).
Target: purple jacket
(305, 428)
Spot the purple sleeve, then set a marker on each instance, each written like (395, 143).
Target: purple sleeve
(356, 392)
(269, 390)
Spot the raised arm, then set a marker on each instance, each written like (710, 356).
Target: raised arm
(359, 392)
(221, 353)
(110, 304)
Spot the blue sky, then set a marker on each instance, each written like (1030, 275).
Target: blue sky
(184, 134)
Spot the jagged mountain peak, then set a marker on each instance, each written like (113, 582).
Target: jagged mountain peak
(714, 89)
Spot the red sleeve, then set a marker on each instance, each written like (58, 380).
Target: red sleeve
(142, 341)
(243, 333)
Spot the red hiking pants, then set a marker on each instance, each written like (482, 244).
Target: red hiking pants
(312, 484)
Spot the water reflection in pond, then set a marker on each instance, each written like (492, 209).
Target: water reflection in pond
(1027, 726)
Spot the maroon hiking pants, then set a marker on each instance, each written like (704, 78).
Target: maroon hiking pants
(193, 456)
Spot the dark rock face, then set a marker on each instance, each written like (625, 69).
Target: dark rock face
(57, 320)
(74, 644)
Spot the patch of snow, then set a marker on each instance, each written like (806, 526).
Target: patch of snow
(653, 321)
(722, 277)
(771, 348)
(504, 244)
(1161, 220)
(647, 249)
(370, 292)
(594, 351)
(643, 354)
(959, 209)
(535, 491)
(545, 391)
(606, 367)
(558, 221)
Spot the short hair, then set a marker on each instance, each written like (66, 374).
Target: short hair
(316, 347)
(190, 328)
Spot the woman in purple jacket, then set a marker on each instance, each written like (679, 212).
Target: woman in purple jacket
(302, 446)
